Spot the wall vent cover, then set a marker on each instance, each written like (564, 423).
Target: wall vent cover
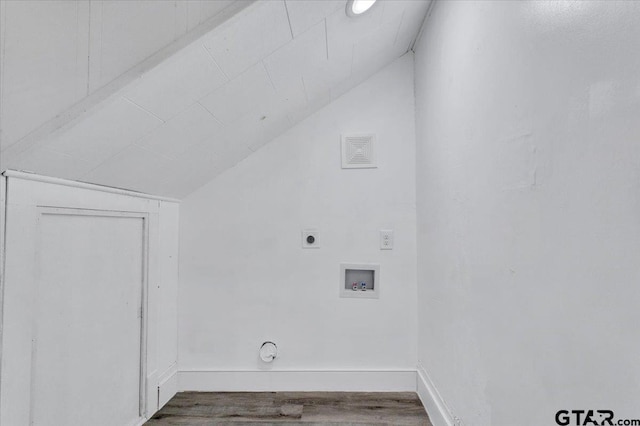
(358, 151)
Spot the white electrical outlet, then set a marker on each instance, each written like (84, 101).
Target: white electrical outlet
(386, 239)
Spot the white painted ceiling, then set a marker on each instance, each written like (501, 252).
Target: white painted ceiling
(223, 96)
(55, 54)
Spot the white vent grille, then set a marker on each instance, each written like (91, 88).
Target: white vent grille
(358, 151)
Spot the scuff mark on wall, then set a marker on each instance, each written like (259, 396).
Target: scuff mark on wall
(517, 164)
(601, 98)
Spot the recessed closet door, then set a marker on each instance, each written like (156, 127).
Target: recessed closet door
(86, 357)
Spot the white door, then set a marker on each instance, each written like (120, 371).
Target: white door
(86, 354)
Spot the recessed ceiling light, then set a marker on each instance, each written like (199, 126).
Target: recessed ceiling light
(358, 7)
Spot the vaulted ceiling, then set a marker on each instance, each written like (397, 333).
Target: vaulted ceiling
(217, 95)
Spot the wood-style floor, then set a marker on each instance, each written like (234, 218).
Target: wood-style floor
(307, 408)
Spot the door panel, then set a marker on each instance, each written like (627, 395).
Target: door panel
(86, 355)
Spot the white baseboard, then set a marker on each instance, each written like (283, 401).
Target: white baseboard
(167, 385)
(439, 413)
(298, 381)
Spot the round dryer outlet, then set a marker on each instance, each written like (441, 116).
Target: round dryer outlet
(310, 238)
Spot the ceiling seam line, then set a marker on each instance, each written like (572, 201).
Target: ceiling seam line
(268, 75)
(217, 120)
(288, 18)
(215, 63)
(422, 25)
(3, 28)
(89, 52)
(84, 176)
(101, 41)
(132, 144)
(146, 110)
(326, 37)
(395, 39)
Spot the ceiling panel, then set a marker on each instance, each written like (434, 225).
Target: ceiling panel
(255, 129)
(199, 165)
(106, 133)
(305, 14)
(182, 132)
(321, 79)
(292, 98)
(177, 83)
(304, 54)
(316, 104)
(265, 118)
(212, 152)
(240, 95)
(133, 168)
(260, 31)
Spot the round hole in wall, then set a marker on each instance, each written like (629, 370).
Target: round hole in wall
(268, 351)
(311, 239)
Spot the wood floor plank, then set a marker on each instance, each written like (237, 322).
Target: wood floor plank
(304, 408)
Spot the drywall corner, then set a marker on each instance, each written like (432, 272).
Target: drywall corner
(438, 411)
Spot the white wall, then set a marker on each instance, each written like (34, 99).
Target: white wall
(528, 206)
(244, 277)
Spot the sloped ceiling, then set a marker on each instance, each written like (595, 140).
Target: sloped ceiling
(61, 55)
(224, 95)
